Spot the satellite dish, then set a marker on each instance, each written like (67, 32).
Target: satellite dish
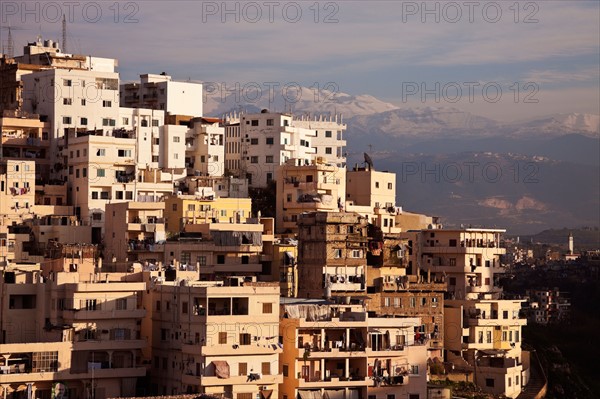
(368, 160)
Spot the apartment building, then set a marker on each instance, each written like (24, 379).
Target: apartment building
(65, 329)
(215, 186)
(307, 188)
(487, 334)
(205, 147)
(331, 254)
(339, 351)
(329, 141)
(395, 288)
(219, 338)
(161, 92)
(25, 137)
(218, 250)
(183, 210)
(482, 330)
(285, 267)
(38, 55)
(103, 168)
(133, 233)
(17, 190)
(466, 259)
(548, 306)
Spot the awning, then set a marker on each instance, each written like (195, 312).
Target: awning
(266, 393)
(221, 368)
(310, 394)
(333, 394)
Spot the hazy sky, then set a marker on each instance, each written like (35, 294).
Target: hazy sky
(407, 53)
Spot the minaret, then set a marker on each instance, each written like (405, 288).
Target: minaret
(570, 243)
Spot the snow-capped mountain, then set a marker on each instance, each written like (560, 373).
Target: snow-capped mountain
(366, 114)
(586, 124)
(297, 99)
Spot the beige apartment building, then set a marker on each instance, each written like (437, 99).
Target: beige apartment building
(185, 210)
(466, 259)
(66, 328)
(338, 351)
(218, 338)
(26, 138)
(307, 188)
(331, 254)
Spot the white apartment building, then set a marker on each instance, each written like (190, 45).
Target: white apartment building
(205, 147)
(161, 92)
(329, 140)
(70, 100)
(255, 144)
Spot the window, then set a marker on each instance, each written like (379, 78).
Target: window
(391, 396)
(164, 334)
(186, 258)
(270, 140)
(184, 307)
(245, 339)
(108, 122)
(489, 382)
(452, 243)
(77, 173)
(254, 141)
(67, 101)
(128, 195)
(201, 260)
(285, 370)
(269, 159)
(125, 121)
(413, 302)
(327, 133)
(390, 186)
(124, 153)
(222, 337)
(176, 139)
(119, 195)
(337, 253)
(328, 150)
(505, 314)
(91, 304)
(101, 152)
(106, 103)
(267, 307)
(83, 102)
(414, 369)
(105, 195)
(84, 172)
(376, 184)
(253, 159)
(254, 122)
(44, 362)
(221, 259)
(67, 82)
(245, 259)
(516, 336)
(158, 305)
(488, 337)
(95, 195)
(83, 121)
(242, 368)
(356, 253)
(67, 120)
(155, 122)
(266, 368)
(270, 123)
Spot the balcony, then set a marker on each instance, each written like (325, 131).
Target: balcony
(82, 314)
(358, 381)
(107, 344)
(230, 350)
(237, 380)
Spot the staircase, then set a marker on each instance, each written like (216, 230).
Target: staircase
(538, 383)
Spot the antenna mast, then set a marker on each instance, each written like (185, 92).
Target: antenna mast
(64, 34)
(10, 46)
